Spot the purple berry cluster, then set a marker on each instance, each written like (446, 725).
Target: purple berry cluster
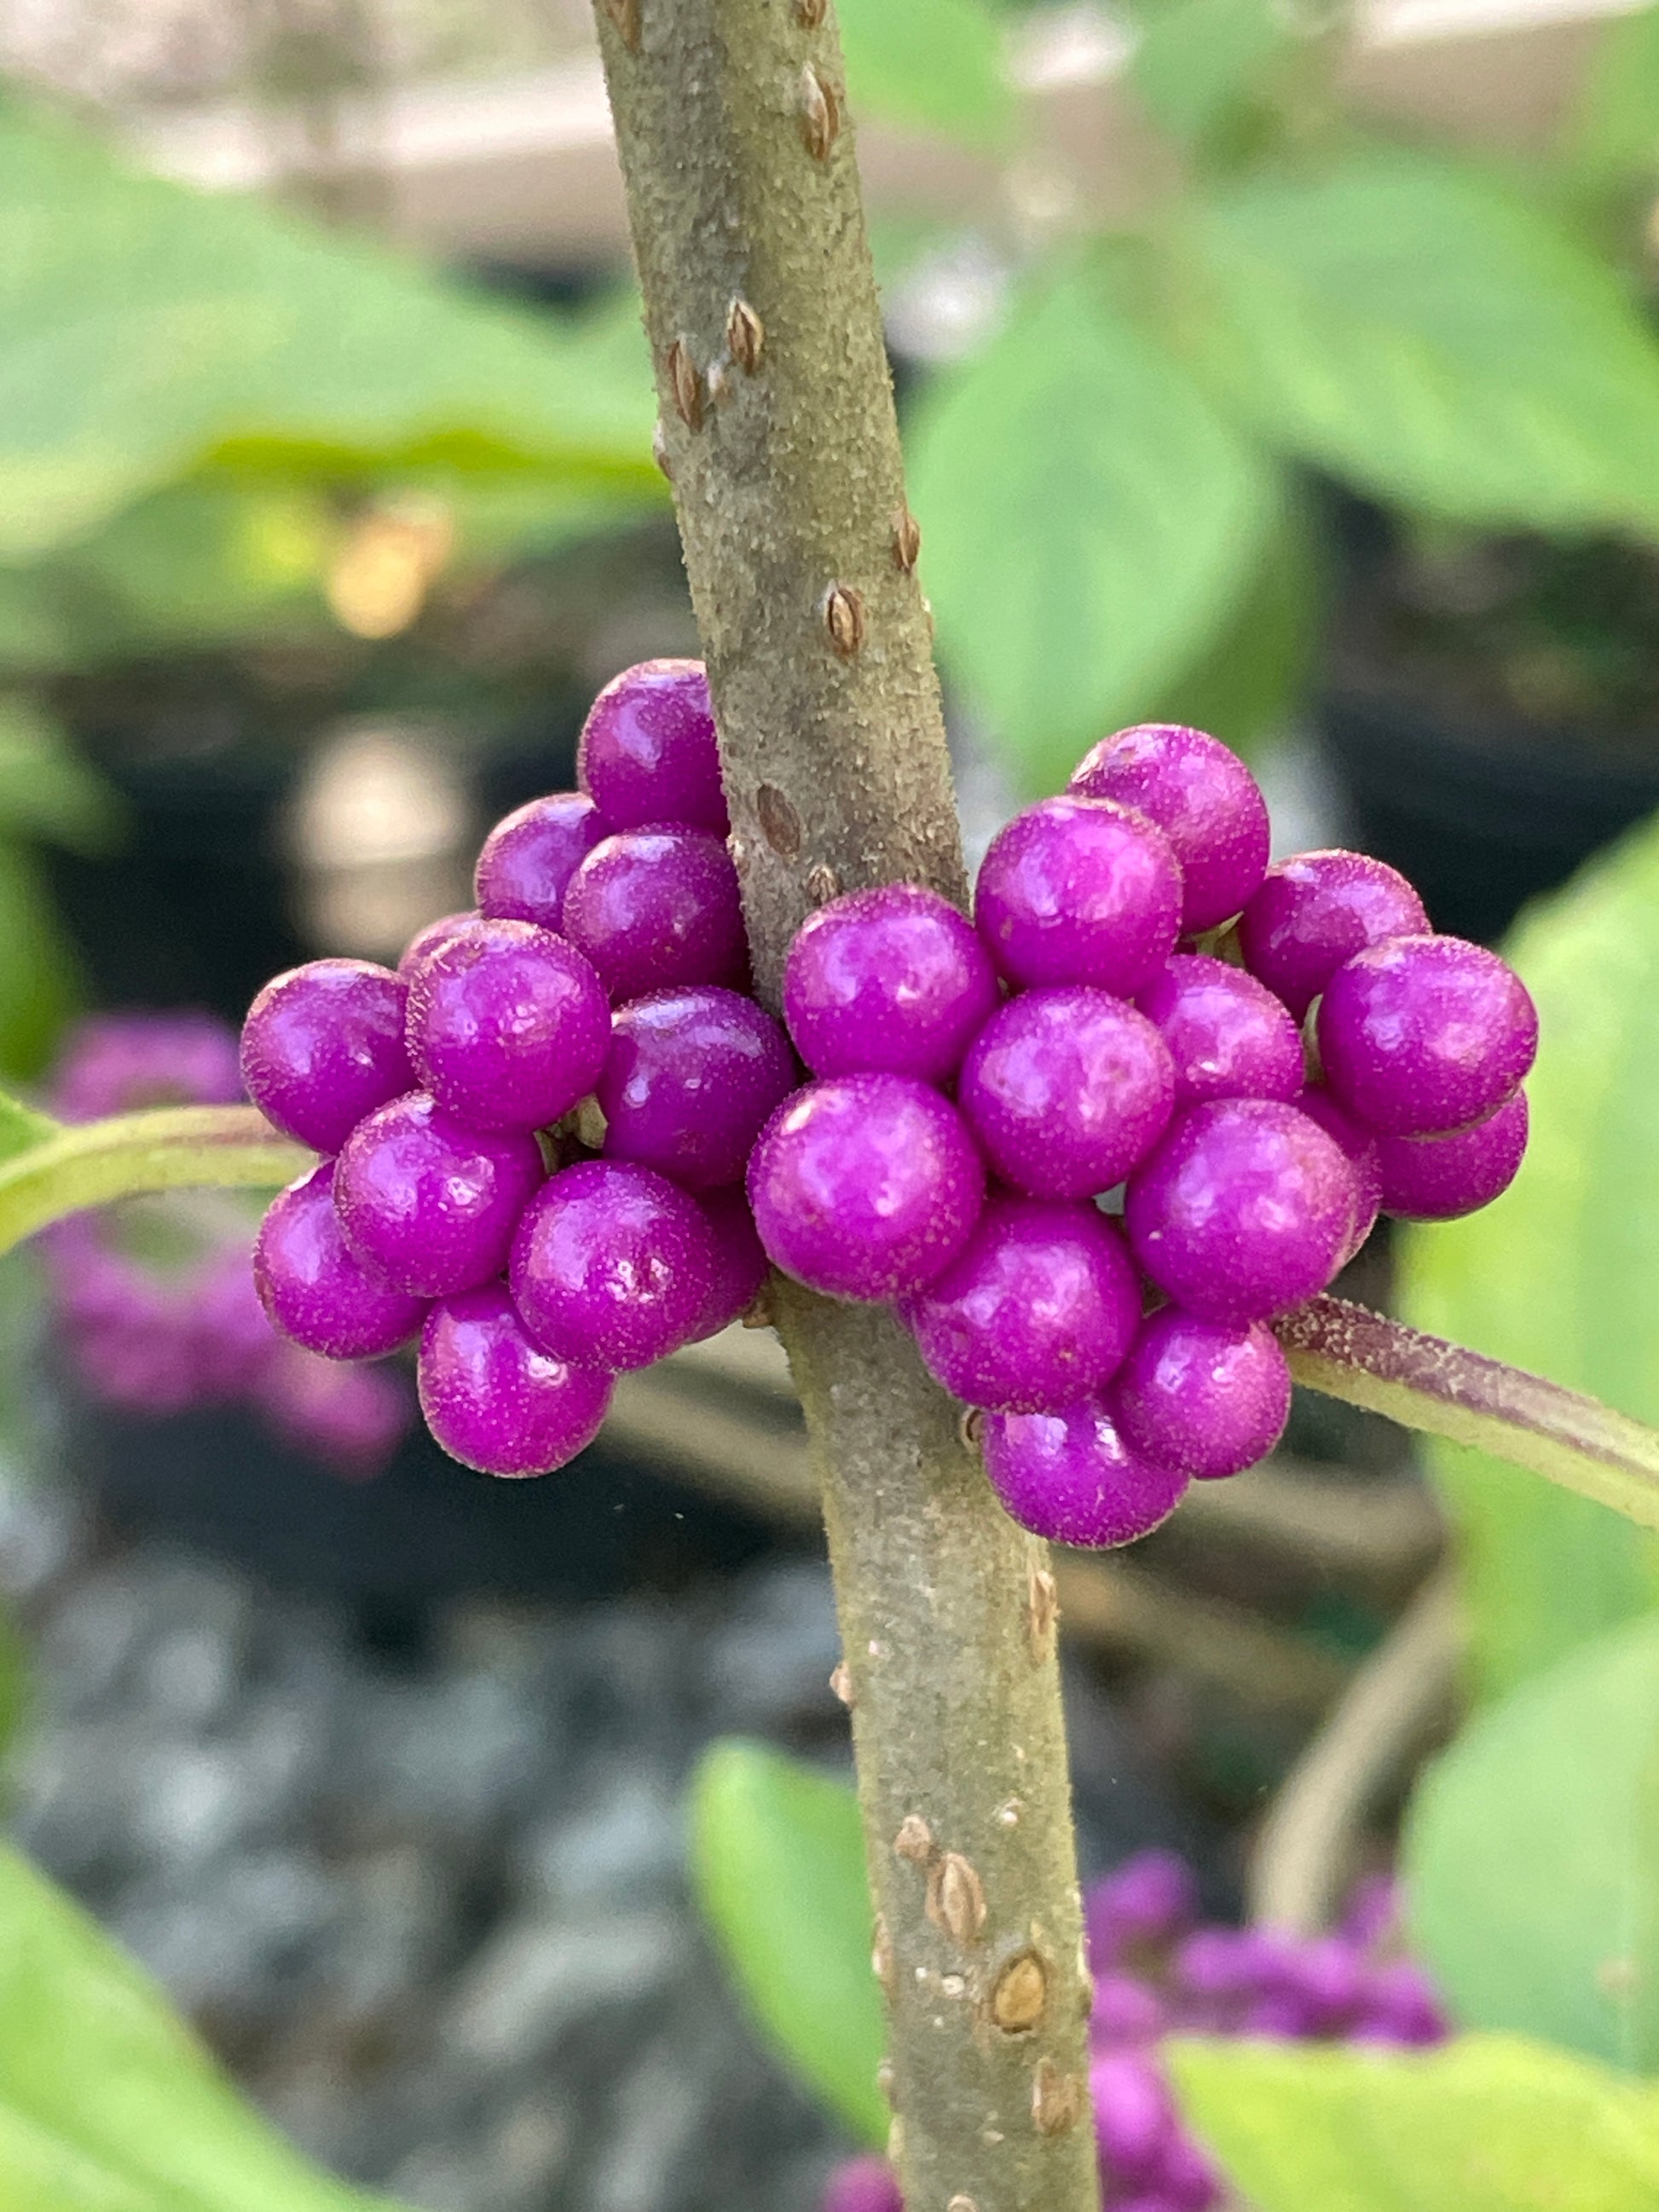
(534, 1133)
(1155, 1095)
(155, 1302)
(1158, 1972)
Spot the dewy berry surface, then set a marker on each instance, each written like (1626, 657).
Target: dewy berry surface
(315, 1289)
(1204, 799)
(1316, 910)
(1243, 1210)
(429, 1204)
(1425, 1035)
(1066, 1091)
(656, 908)
(892, 980)
(435, 935)
(1079, 891)
(322, 1045)
(494, 1399)
(508, 1026)
(1073, 1478)
(1036, 1312)
(1227, 1036)
(866, 1186)
(613, 1266)
(1204, 1397)
(649, 751)
(529, 858)
(1359, 1146)
(1443, 1178)
(739, 1262)
(691, 1077)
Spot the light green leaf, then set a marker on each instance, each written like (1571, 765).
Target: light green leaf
(1613, 135)
(46, 790)
(151, 331)
(40, 974)
(937, 63)
(1089, 525)
(1559, 1276)
(777, 1854)
(1427, 335)
(1196, 60)
(1487, 2124)
(107, 2102)
(1532, 1856)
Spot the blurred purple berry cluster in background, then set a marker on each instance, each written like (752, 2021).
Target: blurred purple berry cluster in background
(154, 1300)
(1159, 1970)
(1088, 1144)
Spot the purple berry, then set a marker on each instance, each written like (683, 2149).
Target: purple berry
(118, 1063)
(530, 856)
(1227, 1036)
(1150, 1899)
(495, 1398)
(655, 909)
(1202, 797)
(1359, 1150)
(432, 938)
(315, 1289)
(508, 1026)
(1035, 1313)
(649, 751)
(866, 1186)
(1243, 1210)
(1125, 2011)
(1134, 2114)
(1066, 1091)
(1399, 2004)
(1442, 1178)
(1317, 910)
(891, 981)
(429, 1204)
(862, 2184)
(691, 1077)
(613, 1267)
(1328, 1976)
(1425, 1035)
(1188, 2179)
(740, 1263)
(1207, 1396)
(322, 1045)
(1070, 1477)
(352, 1418)
(1079, 891)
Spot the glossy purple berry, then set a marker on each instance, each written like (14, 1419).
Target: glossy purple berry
(497, 1400)
(649, 751)
(891, 981)
(1210, 1397)
(432, 938)
(1442, 1178)
(1066, 1091)
(1318, 909)
(862, 2184)
(1227, 1036)
(1359, 1150)
(530, 856)
(740, 1263)
(1079, 891)
(691, 1077)
(508, 1026)
(315, 1289)
(429, 1204)
(322, 1045)
(613, 1266)
(1035, 1313)
(1243, 1210)
(1204, 799)
(1071, 1476)
(866, 1186)
(1425, 1035)
(656, 909)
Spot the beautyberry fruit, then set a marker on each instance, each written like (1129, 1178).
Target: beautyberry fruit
(890, 981)
(1079, 891)
(508, 1026)
(649, 751)
(1228, 1036)
(1206, 1396)
(656, 908)
(692, 1076)
(494, 1398)
(1442, 1178)
(1425, 1035)
(529, 858)
(322, 1045)
(1073, 1478)
(1204, 799)
(1316, 910)
(315, 1289)
(612, 1266)
(429, 1204)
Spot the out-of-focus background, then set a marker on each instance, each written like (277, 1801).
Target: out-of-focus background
(1292, 372)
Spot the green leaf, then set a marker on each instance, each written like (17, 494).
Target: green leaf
(1089, 525)
(1558, 1275)
(777, 1854)
(1487, 2124)
(1532, 1856)
(1613, 135)
(40, 974)
(46, 790)
(152, 331)
(1197, 60)
(937, 63)
(1427, 335)
(107, 2102)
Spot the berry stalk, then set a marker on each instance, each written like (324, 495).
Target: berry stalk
(779, 436)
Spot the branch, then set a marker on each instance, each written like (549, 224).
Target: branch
(1424, 1382)
(779, 436)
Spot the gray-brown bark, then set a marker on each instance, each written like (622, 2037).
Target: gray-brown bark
(779, 436)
